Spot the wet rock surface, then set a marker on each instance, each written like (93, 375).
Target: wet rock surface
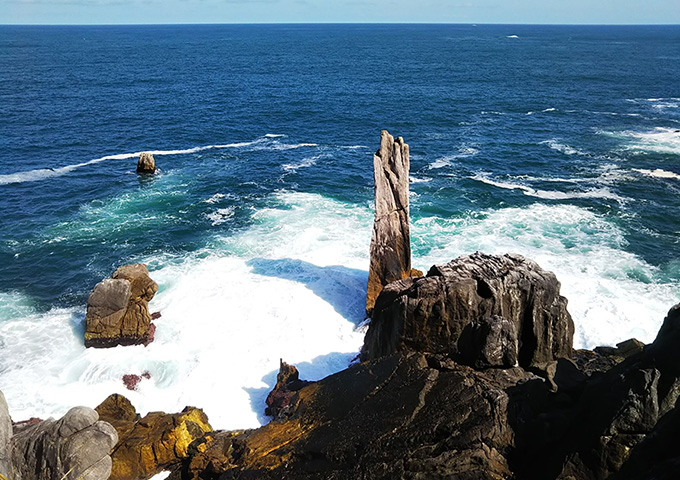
(146, 163)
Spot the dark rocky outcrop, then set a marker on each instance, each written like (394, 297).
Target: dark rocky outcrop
(118, 309)
(284, 395)
(151, 444)
(391, 241)
(146, 163)
(76, 446)
(408, 415)
(475, 299)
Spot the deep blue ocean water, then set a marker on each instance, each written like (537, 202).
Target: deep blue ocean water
(558, 142)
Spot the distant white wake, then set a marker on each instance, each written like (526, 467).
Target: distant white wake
(43, 173)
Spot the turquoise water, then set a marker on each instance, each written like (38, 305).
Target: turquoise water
(560, 143)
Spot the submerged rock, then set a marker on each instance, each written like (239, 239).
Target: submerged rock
(146, 163)
(482, 310)
(118, 309)
(391, 240)
(149, 445)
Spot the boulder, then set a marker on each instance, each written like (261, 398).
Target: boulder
(149, 445)
(474, 299)
(146, 163)
(118, 309)
(75, 446)
(391, 241)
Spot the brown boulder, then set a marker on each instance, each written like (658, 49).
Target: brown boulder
(151, 444)
(118, 309)
(146, 163)
(433, 313)
(391, 240)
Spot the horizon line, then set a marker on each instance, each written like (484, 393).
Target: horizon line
(340, 23)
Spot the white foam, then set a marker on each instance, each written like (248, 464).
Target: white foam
(306, 162)
(658, 173)
(215, 198)
(464, 151)
(161, 476)
(413, 179)
(288, 287)
(562, 148)
(602, 192)
(512, 36)
(221, 215)
(612, 295)
(286, 146)
(658, 140)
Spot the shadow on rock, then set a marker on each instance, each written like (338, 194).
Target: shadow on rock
(343, 288)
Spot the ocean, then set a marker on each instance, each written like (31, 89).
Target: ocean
(561, 143)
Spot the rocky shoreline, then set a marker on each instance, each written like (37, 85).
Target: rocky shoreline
(468, 372)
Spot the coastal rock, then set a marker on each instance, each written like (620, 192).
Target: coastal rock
(153, 443)
(5, 436)
(441, 313)
(391, 241)
(282, 399)
(118, 309)
(402, 416)
(146, 163)
(619, 421)
(75, 446)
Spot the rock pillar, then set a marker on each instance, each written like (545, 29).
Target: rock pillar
(391, 241)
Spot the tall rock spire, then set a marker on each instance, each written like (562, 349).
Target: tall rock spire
(391, 241)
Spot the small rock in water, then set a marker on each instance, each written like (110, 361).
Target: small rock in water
(146, 164)
(131, 380)
(155, 315)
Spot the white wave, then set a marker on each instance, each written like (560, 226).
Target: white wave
(215, 198)
(306, 162)
(464, 151)
(549, 194)
(353, 147)
(275, 135)
(611, 292)
(658, 173)
(413, 179)
(562, 148)
(221, 215)
(512, 36)
(285, 146)
(658, 140)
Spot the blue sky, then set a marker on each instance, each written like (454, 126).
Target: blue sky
(294, 11)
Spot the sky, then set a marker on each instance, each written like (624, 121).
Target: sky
(340, 11)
